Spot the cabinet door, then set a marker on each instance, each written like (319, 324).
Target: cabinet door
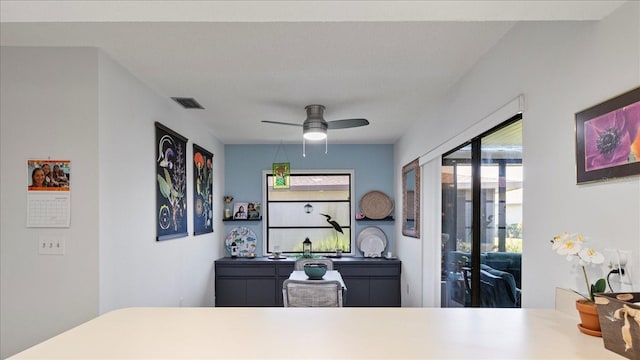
(245, 292)
(357, 291)
(261, 292)
(384, 292)
(230, 292)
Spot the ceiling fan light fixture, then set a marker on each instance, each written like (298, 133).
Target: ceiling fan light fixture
(315, 126)
(315, 134)
(314, 129)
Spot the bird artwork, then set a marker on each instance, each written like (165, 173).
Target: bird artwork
(336, 227)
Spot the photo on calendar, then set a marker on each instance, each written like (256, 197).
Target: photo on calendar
(48, 175)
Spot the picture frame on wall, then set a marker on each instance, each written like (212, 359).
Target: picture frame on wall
(281, 175)
(202, 191)
(171, 183)
(253, 210)
(608, 139)
(240, 210)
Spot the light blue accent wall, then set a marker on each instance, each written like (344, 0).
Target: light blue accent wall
(372, 166)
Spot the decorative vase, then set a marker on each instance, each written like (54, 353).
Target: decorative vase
(590, 324)
(227, 211)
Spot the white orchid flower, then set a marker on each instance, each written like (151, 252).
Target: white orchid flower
(589, 255)
(569, 247)
(558, 240)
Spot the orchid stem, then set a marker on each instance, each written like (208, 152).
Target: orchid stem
(586, 280)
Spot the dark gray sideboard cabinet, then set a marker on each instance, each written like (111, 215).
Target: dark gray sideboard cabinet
(258, 282)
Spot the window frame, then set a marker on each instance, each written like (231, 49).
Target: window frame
(265, 200)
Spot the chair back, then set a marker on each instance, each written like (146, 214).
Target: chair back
(507, 294)
(300, 263)
(316, 293)
(496, 290)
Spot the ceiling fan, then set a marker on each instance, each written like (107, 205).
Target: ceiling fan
(315, 126)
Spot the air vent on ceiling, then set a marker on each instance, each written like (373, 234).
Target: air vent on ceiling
(188, 103)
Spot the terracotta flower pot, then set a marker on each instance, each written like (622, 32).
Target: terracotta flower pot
(590, 324)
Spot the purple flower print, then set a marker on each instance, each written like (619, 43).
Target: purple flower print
(632, 114)
(608, 137)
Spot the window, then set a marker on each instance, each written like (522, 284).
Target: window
(293, 214)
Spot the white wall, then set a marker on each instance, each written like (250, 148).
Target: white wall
(561, 68)
(135, 269)
(48, 109)
(78, 104)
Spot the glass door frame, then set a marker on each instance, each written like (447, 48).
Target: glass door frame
(476, 196)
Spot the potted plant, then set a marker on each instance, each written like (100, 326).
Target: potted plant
(573, 247)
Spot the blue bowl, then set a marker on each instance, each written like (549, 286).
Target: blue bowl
(315, 271)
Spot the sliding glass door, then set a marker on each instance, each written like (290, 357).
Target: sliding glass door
(482, 220)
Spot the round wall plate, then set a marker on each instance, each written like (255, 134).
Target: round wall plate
(372, 241)
(376, 205)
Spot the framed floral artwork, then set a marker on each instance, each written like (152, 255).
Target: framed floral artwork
(171, 183)
(608, 139)
(202, 191)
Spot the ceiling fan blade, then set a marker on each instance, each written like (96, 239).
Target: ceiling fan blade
(281, 123)
(347, 123)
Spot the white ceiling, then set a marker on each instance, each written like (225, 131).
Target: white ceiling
(247, 61)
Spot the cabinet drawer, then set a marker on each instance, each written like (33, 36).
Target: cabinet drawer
(367, 270)
(285, 270)
(254, 270)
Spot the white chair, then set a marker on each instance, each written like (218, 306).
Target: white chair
(312, 293)
(300, 263)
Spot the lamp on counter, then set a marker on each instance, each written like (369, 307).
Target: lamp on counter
(306, 248)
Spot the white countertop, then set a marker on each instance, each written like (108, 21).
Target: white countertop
(326, 333)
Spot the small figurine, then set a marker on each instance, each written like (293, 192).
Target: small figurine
(234, 250)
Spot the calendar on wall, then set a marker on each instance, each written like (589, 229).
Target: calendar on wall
(48, 193)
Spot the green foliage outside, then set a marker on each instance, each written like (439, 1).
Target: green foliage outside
(513, 242)
(328, 244)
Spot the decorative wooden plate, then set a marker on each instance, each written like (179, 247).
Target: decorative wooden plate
(376, 205)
